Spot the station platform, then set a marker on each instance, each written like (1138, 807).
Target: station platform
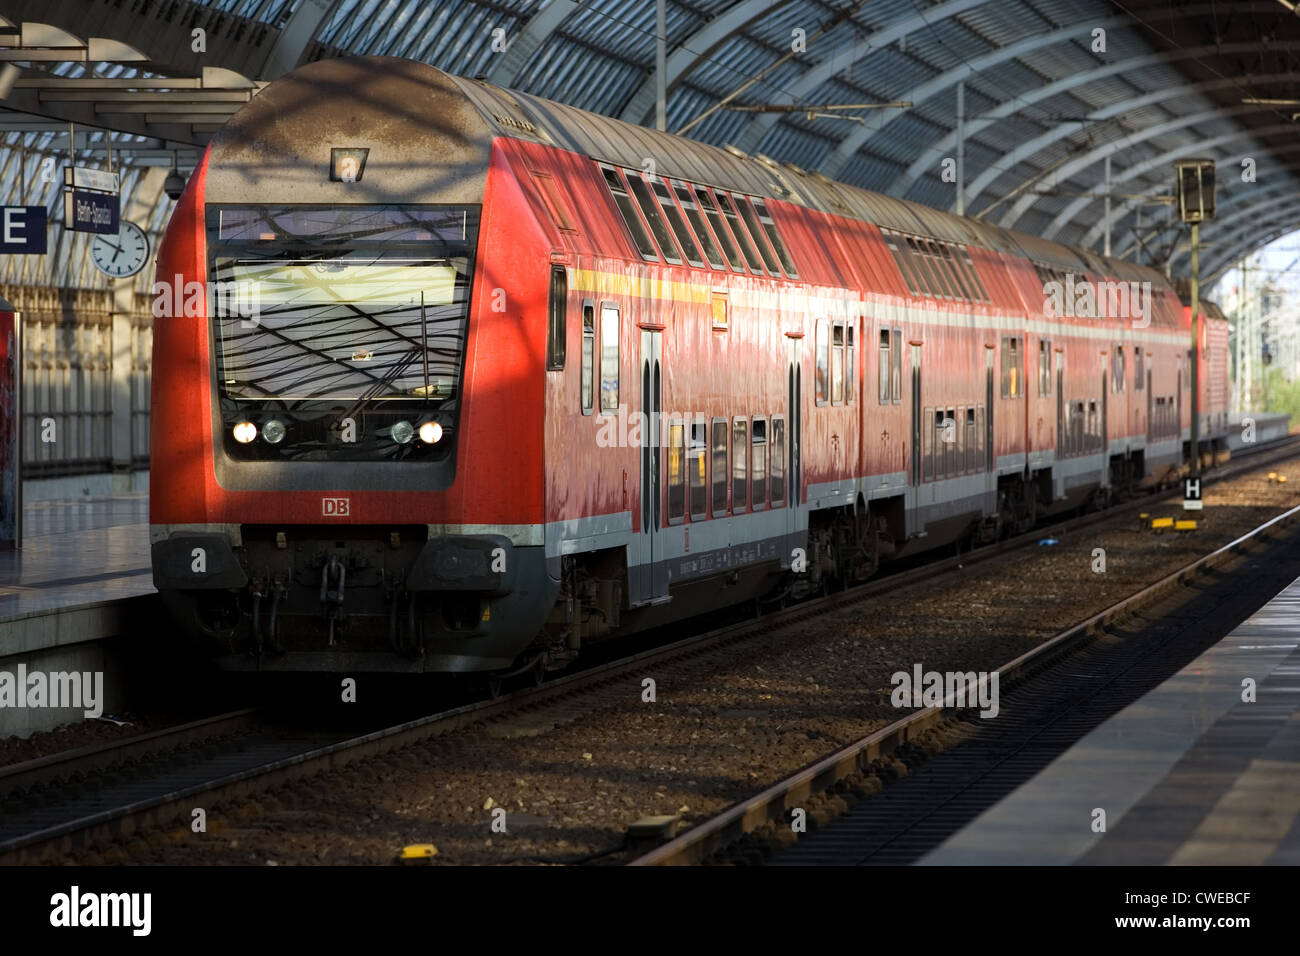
(77, 552)
(1190, 774)
(71, 586)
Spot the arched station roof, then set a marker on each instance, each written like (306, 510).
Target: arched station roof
(1051, 92)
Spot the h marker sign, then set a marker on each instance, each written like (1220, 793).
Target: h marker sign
(1191, 494)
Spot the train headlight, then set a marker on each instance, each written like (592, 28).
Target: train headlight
(402, 432)
(245, 432)
(273, 431)
(430, 433)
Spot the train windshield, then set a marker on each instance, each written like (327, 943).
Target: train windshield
(353, 313)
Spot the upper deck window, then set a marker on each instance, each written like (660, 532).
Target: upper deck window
(640, 238)
(680, 229)
(773, 234)
(738, 230)
(701, 227)
(653, 216)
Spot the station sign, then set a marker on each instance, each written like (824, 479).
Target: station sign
(90, 200)
(1191, 494)
(80, 177)
(86, 211)
(22, 230)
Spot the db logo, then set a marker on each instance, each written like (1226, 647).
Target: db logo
(335, 507)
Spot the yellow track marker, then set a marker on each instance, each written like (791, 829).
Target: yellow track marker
(417, 853)
(1159, 523)
(1185, 526)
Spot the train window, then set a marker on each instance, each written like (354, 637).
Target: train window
(970, 264)
(904, 267)
(850, 363)
(823, 352)
(950, 438)
(920, 276)
(640, 238)
(937, 280)
(959, 440)
(758, 465)
(720, 229)
(982, 451)
(941, 436)
(927, 446)
(756, 233)
(636, 185)
(837, 363)
(718, 303)
(957, 274)
(701, 228)
(778, 462)
(556, 329)
(963, 264)
(774, 235)
(1044, 366)
(883, 369)
(896, 378)
(609, 331)
(1139, 370)
(719, 467)
(1119, 374)
(587, 385)
(971, 449)
(676, 473)
(738, 230)
(929, 284)
(696, 462)
(739, 466)
(946, 280)
(680, 229)
(1012, 374)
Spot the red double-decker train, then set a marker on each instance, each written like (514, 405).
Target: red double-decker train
(473, 379)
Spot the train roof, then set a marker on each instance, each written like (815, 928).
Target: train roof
(436, 129)
(525, 116)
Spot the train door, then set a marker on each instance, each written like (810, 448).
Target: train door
(653, 572)
(1060, 404)
(989, 456)
(916, 415)
(1147, 373)
(1178, 421)
(794, 417)
(1105, 434)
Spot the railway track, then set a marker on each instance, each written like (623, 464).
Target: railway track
(1050, 697)
(61, 805)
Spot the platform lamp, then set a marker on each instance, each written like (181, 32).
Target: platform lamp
(1194, 184)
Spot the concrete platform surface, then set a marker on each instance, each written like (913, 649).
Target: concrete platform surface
(1189, 774)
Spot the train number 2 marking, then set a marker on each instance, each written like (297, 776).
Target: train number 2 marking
(335, 507)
